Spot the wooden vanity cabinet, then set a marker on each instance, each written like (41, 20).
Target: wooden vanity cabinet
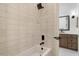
(69, 41)
(63, 41)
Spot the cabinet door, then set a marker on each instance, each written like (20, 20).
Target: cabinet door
(69, 41)
(74, 46)
(74, 42)
(63, 41)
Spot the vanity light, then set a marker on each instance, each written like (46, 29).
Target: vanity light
(74, 13)
(73, 16)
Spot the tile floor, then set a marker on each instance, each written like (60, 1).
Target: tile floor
(67, 52)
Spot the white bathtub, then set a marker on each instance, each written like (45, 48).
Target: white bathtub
(36, 51)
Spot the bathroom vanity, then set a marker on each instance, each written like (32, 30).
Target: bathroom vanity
(69, 41)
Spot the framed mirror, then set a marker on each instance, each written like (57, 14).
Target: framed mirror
(64, 23)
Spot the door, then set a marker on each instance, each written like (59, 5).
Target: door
(49, 26)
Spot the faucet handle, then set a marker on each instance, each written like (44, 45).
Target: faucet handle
(41, 43)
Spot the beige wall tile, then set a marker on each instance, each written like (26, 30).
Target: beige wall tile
(23, 26)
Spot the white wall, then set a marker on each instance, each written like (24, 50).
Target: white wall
(78, 27)
(67, 9)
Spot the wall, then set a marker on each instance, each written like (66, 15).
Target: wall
(49, 26)
(23, 24)
(69, 9)
(19, 28)
(3, 29)
(78, 27)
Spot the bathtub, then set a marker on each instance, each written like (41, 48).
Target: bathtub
(36, 51)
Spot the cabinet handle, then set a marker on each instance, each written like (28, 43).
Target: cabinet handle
(57, 38)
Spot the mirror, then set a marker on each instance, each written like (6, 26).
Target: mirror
(64, 23)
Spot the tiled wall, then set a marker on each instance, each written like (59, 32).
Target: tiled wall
(21, 27)
(49, 26)
(3, 29)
